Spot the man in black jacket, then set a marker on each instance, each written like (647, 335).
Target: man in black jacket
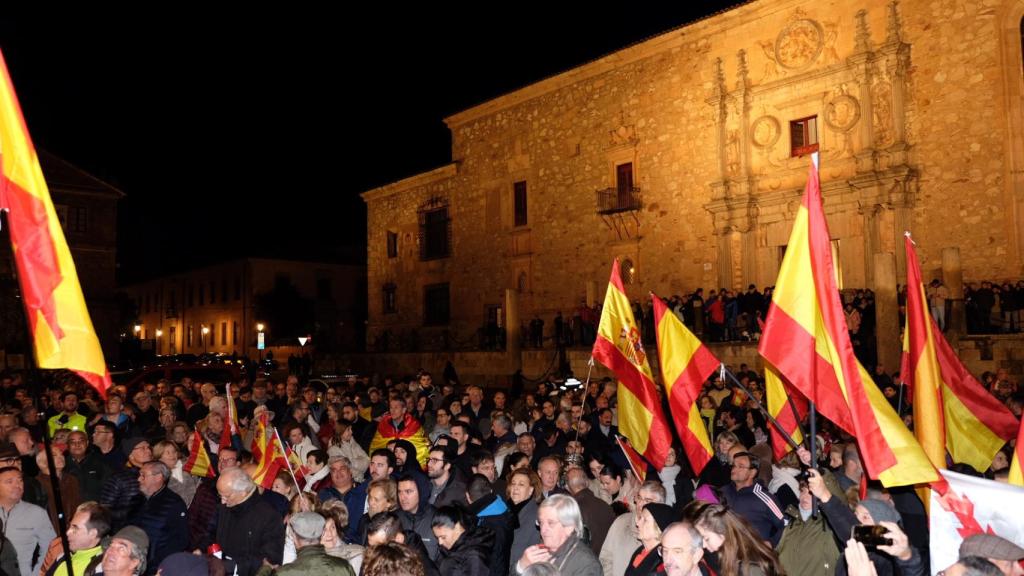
(415, 514)
(162, 514)
(249, 530)
(492, 512)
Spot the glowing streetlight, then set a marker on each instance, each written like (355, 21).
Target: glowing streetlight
(206, 331)
(137, 329)
(260, 342)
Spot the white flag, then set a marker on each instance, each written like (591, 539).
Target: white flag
(972, 506)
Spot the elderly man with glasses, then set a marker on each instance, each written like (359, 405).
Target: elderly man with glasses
(162, 513)
(681, 549)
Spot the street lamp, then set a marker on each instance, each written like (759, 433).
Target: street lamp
(260, 342)
(159, 333)
(206, 331)
(137, 329)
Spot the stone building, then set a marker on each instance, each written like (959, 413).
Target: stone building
(87, 209)
(219, 308)
(685, 156)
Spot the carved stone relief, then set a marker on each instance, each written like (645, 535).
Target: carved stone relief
(799, 44)
(881, 107)
(765, 132)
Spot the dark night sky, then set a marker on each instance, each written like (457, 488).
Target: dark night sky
(194, 117)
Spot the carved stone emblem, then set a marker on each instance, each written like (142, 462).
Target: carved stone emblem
(799, 44)
(842, 113)
(764, 132)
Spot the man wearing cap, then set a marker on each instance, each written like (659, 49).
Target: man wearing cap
(306, 528)
(1004, 554)
(161, 514)
(121, 493)
(249, 530)
(126, 554)
(89, 525)
(27, 526)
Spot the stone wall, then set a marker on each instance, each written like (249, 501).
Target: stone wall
(911, 110)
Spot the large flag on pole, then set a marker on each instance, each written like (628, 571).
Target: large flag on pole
(806, 339)
(59, 323)
(685, 364)
(620, 348)
(952, 410)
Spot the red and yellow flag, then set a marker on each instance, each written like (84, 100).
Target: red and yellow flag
(636, 462)
(806, 339)
(198, 463)
(620, 348)
(230, 429)
(685, 364)
(777, 400)
(1016, 470)
(62, 332)
(272, 460)
(260, 438)
(952, 410)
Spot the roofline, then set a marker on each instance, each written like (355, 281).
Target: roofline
(100, 183)
(442, 173)
(625, 55)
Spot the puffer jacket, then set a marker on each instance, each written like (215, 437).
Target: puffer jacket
(469, 555)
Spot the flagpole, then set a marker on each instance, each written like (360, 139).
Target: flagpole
(36, 381)
(813, 411)
(298, 489)
(789, 439)
(586, 386)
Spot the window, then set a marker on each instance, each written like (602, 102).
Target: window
(234, 333)
(189, 337)
(172, 333)
(323, 288)
(224, 333)
(435, 230)
(627, 272)
(803, 136)
(624, 185)
(519, 203)
(77, 219)
(390, 302)
(436, 308)
(392, 244)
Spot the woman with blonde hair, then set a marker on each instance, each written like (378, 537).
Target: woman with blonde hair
(740, 550)
(336, 514)
(181, 483)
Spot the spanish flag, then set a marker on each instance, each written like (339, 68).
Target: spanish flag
(230, 432)
(685, 364)
(636, 462)
(272, 459)
(777, 399)
(952, 410)
(198, 463)
(1016, 470)
(620, 348)
(62, 332)
(806, 339)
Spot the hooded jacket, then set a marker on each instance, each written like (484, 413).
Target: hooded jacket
(469, 555)
(492, 512)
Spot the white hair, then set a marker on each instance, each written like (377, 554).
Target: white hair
(568, 511)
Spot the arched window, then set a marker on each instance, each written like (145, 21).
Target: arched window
(521, 282)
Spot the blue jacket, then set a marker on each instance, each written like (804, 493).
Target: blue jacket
(355, 502)
(163, 517)
(759, 507)
(492, 513)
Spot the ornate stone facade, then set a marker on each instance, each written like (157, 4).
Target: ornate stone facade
(916, 111)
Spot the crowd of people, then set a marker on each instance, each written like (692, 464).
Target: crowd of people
(408, 476)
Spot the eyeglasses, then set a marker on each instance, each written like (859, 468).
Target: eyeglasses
(441, 460)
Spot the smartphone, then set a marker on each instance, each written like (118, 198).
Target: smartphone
(871, 536)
